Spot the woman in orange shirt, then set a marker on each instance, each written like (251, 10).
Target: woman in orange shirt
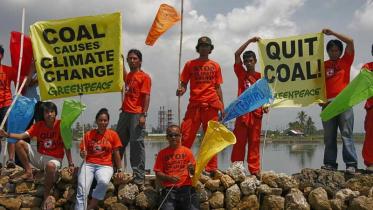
(97, 148)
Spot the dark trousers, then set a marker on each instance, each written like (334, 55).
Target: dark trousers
(2, 115)
(184, 198)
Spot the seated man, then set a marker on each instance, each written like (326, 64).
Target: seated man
(50, 150)
(173, 168)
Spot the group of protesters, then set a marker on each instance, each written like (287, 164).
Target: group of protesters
(103, 148)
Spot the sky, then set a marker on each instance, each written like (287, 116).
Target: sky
(227, 23)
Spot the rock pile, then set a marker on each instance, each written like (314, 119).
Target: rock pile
(310, 189)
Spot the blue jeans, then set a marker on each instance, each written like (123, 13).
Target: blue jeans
(345, 123)
(87, 171)
(184, 198)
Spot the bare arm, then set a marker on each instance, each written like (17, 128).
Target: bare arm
(18, 136)
(346, 39)
(146, 103)
(239, 51)
(182, 89)
(164, 177)
(220, 94)
(117, 161)
(69, 157)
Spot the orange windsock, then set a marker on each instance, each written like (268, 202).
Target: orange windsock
(166, 17)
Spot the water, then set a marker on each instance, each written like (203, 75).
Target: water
(279, 157)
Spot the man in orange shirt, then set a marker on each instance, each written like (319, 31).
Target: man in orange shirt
(131, 123)
(7, 74)
(206, 97)
(337, 74)
(247, 127)
(173, 168)
(50, 149)
(368, 142)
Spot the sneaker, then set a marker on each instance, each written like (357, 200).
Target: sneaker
(351, 170)
(328, 167)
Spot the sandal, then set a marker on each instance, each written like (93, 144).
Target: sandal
(49, 203)
(10, 164)
(24, 178)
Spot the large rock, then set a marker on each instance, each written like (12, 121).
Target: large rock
(249, 185)
(217, 200)
(127, 193)
(232, 196)
(269, 178)
(204, 206)
(30, 201)
(237, 172)
(318, 199)
(118, 206)
(204, 194)
(361, 203)
(361, 183)
(203, 178)
(110, 201)
(227, 181)
(213, 184)
(147, 199)
(11, 203)
(127, 178)
(286, 182)
(346, 194)
(295, 200)
(249, 202)
(67, 176)
(264, 189)
(24, 187)
(273, 202)
(337, 204)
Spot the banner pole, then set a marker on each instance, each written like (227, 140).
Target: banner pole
(180, 49)
(21, 49)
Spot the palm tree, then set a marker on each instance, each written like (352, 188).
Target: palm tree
(302, 116)
(310, 126)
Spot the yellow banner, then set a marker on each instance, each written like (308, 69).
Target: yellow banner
(294, 67)
(78, 55)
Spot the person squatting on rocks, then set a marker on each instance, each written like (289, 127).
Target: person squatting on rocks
(368, 124)
(247, 128)
(131, 123)
(98, 148)
(173, 167)
(50, 150)
(206, 97)
(337, 77)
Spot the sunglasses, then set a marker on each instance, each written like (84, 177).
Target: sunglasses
(173, 135)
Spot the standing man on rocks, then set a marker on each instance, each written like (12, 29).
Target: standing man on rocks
(337, 77)
(368, 142)
(131, 123)
(206, 97)
(247, 127)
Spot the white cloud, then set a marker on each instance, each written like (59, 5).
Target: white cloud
(363, 18)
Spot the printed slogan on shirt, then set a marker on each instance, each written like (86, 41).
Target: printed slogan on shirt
(294, 68)
(78, 55)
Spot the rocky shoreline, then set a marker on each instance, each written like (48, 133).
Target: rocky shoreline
(310, 189)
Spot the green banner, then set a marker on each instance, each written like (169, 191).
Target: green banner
(359, 89)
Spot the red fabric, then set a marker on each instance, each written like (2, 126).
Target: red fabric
(369, 103)
(368, 142)
(245, 80)
(138, 84)
(15, 47)
(337, 74)
(7, 74)
(174, 162)
(49, 140)
(203, 75)
(194, 117)
(100, 147)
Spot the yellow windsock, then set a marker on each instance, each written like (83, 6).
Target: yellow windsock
(216, 138)
(166, 17)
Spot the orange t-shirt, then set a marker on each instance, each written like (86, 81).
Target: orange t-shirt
(369, 103)
(337, 74)
(203, 75)
(7, 74)
(49, 140)
(100, 147)
(137, 85)
(245, 80)
(174, 162)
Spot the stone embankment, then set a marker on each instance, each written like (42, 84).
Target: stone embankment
(310, 189)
